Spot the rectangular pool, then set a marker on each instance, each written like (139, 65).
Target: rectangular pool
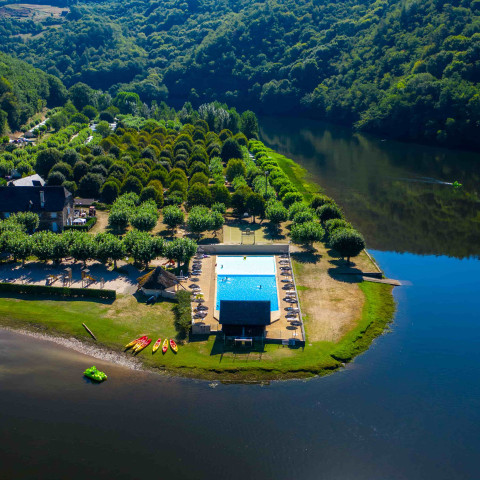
(246, 265)
(247, 287)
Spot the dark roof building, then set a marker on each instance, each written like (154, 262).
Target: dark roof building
(247, 318)
(54, 205)
(33, 199)
(157, 282)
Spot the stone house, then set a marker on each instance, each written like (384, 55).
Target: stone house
(54, 205)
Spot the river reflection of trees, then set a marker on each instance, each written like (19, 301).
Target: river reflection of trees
(396, 194)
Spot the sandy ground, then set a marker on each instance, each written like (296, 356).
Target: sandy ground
(332, 303)
(280, 328)
(36, 273)
(206, 282)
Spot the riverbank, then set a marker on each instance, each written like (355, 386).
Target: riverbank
(342, 316)
(115, 324)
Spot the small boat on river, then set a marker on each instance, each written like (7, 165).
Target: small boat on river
(94, 374)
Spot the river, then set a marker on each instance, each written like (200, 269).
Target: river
(409, 408)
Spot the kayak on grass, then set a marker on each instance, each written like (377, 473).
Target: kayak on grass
(134, 342)
(144, 345)
(165, 346)
(140, 344)
(156, 345)
(173, 345)
(94, 374)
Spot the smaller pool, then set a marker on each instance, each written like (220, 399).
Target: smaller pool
(247, 287)
(246, 265)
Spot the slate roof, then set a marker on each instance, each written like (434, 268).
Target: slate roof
(157, 279)
(30, 181)
(245, 312)
(24, 199)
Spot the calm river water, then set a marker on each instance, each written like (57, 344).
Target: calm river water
(409, 408)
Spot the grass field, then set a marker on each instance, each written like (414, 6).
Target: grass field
(115, 324)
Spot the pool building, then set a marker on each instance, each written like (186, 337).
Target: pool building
(243, 294)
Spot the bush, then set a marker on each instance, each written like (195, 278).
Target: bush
(199, 194)
(235, 168)
(183, 312)
(319, 200)
(173, 216)
(307, 233)
(334, 223)
(276, 213)
(304, 216)
(145, 217)
(82, 228)
(347, 242)
(328, 212)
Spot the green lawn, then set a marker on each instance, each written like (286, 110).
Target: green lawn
(115, 324)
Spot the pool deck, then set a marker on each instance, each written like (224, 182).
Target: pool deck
(279, 329)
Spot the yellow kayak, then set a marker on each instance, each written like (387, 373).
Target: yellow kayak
(157, 345)
(165, 346)
(134, 342)
(143, 345)
(139, 345)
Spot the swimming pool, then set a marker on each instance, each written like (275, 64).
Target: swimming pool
(246, 265)
(247, 287)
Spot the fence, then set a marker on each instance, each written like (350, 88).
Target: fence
(256, 249)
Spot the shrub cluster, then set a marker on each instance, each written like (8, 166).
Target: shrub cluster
(183, 312)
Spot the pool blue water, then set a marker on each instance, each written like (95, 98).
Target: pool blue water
(246, 265)
(247, 287)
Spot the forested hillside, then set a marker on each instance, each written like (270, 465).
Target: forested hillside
(406, 69)
(25, 90)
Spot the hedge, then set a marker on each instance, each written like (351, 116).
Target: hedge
(183, 312)
(82, 228)
(57, 291)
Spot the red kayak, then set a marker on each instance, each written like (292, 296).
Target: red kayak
(173, 345)
(157, 345)
(134, 342)
(165, 346)
(145, 344)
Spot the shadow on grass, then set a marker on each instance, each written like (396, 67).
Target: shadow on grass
(307, 256)
(273, 233)
(242, 352)
(166, 233)
(344, 273)
(140, 297)
(208, 241)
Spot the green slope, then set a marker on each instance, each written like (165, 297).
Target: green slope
(371, 64)
(24, 90)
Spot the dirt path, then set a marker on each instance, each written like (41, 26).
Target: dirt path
(102, 222)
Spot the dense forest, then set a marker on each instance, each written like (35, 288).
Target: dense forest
(409, 70)
(25, 90)
(195, 172)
